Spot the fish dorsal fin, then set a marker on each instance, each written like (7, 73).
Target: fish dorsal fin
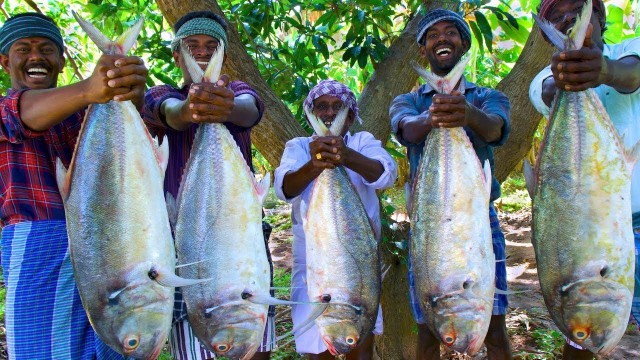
(488, 178)
(214, 67)
(262, 187)
(446, 84)
(162, 154)
(576, 37)
(120, 46)
(530, 178)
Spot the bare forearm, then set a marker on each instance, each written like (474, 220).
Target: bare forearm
(294, 183)
(415, 129)
(488, 127)
(175, 113)
(369, 169)
(245, 111)
(623, 75)
(37, 112)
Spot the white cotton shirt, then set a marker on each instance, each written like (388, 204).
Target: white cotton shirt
(623, 109)
(296, 154)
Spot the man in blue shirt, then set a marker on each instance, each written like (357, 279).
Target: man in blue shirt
(444, 37)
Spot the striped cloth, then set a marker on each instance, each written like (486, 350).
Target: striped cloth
(44, 317)
(336, 89)
(438, 15)
(500, 301)
(29, 25)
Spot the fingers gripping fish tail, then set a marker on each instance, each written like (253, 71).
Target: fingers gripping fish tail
(120, 46)
(576, 37)
(446, 84)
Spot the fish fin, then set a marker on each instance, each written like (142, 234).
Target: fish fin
(194, 263)
(172, 209)
(504, 292)
(128, 39)
(318, 126)
(262, 187)
(267, 299)
(338, 124)
(632, 155)
(530, 178)
(123, 43)
(212, 72)
(162, 154)
(446, 84)
(173, 280)
(63, 180)
(579, 30)
(385, 271)
(408, 195)
(192, 66)
(488, 178)
(557, 38)
(308, 322)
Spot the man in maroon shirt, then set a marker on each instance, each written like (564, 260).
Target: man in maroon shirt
(40, 122)
(177, 113)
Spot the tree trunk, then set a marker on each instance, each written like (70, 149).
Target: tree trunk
(524, 118)
(278, 124)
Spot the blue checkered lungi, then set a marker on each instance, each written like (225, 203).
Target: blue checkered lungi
(44, 317)
(500, 301)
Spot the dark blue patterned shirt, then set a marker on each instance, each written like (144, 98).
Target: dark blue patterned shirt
(488, 100)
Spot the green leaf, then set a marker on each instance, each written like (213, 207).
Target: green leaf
(485, 28)
(477, 34)
(395, 153)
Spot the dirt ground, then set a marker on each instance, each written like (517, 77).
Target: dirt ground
(528, 318)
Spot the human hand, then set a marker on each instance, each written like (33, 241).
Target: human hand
(210, 102)
(578, 70)
(117, 77)
(449, 110)
(327, 152)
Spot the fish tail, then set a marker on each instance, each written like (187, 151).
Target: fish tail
(120, 46)
(576, 36)
(212, 72)
(446, 84)
(318, 126)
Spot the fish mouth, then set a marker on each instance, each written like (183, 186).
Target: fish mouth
(330, 347)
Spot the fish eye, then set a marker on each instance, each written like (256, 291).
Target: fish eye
(449, 339)
(131, 343)
(221, 348)
(581, 334)
(350, 340)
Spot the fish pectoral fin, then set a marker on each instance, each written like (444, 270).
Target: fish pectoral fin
(172, 209)
(488, 179)
(306, 324)
(408, 195)
(632, 155)
(173, 280)
(262, 187)
(63, 179)
(506, 292)
(162, 154)
(385, 271)
(267, 299)
(530, 178)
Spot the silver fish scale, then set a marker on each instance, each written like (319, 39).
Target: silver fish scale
(219, 231)
(451, 240)
(582, 223)
(119, 231)
(343, 259)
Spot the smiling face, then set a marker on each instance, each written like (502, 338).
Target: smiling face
(443, 47)
(33, 63)
(202, 47)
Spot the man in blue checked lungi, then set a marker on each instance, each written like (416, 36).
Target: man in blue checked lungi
(444, 37)
(40, 122)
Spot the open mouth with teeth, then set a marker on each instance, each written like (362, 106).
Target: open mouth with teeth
(37, 73)
(444, 51)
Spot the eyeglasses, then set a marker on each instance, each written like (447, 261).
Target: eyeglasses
(324, 107)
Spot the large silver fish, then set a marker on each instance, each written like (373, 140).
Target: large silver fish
(451, 249)
(119, 235)
(218, 234)
(343, 266)
(582, 232)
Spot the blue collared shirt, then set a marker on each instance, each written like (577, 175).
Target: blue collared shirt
(490, 101)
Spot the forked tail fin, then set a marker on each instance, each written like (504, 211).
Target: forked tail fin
(212, 72)
(446, 84)
(576, 36)
(336, 127)
(120, 46)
